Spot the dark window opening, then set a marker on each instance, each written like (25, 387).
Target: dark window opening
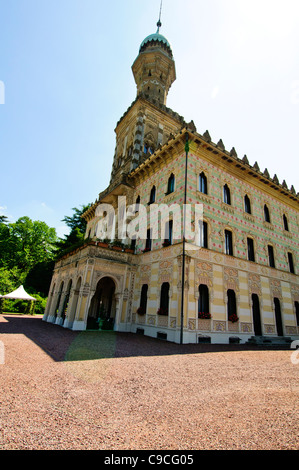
(271, 256)
(148, 243)
(297, 312)
(250, 249)
(278, 317)
(170, 185)
(152, 195)
(203, 183)
(226, 195)
(267, 214)
(228, 243)
(247, 205)
(285, 223)
(203, 234)
(168, 233)
(164, 299)
(291, 263)
(203, 300)
(231, 304)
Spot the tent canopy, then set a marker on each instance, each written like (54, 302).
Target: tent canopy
(19, 293)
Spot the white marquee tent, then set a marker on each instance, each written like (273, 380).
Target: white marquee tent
(19, 294)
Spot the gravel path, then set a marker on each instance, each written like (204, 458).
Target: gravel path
(64, 390)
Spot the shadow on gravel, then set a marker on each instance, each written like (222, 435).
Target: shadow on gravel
(66, 345)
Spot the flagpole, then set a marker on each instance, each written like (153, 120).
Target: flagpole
(184, 238)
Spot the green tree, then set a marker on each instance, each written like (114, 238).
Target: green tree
(33, 242)
(76, 220)
(77, 233)
(23, 245)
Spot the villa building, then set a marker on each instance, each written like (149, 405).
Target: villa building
(236, 279)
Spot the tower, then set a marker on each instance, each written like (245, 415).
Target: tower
(148, 123)
(154, 68)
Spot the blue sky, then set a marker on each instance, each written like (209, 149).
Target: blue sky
(66, 69)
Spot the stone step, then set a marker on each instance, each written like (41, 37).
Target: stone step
(269, 340)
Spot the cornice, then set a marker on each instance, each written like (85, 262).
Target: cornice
(227, 158)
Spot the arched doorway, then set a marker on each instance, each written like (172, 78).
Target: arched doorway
(256, 314)
(101, 314)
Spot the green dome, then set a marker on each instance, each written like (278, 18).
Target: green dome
(157, 37)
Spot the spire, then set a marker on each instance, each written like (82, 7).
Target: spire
(159, 24)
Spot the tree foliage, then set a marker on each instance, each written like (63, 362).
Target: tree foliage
(78, 227)
(28, 250)
(23, 245)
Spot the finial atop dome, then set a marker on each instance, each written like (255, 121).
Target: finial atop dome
(159, 24)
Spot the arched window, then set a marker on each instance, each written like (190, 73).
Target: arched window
(203, 234)
(291, 263)
(203, 184)
(152, 195)
(226, 195)
(203, 300)
(164, 299)
(171, 182)
(247, 205)
(250, 249)
(285, 223)
(271, 256)
(143, 300)
(168, 233)
(137, 204)
(228, 242)
(148, 243)
(231, 305)
(267, 214)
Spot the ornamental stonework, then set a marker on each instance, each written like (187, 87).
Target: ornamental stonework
(275, 288)
(231, 279)
(254, 284)
(203, 274)
(165, 271)
(295, 292)
(145, 273)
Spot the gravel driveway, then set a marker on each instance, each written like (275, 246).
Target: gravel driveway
(100, 390)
